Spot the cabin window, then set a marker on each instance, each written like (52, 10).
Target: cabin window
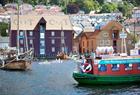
(115, 67)
(53, 49)
(21, 41)
(53, 41)
(52, 33)
(139, 66)
(102, 67)
(128, 66)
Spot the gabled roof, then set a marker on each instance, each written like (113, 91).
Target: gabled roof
(112, 25)
(53, 22)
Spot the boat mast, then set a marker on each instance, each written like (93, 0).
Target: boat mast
(62, 39)
(18, 28)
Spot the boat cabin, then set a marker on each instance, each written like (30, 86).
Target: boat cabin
(116, 65)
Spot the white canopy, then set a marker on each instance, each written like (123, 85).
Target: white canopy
(104, 49)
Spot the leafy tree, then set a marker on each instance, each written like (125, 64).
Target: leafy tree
(3, 28)
(100, 1)
(126, 8)
(108, 8)
(72, 8)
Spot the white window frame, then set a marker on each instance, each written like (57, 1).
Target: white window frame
(31, 41)
(21, 41)
(42, 43)
(31, 33)
(53, 49)
(21, 33)
(62, 41)
(62, 33)
(42, 35)
(52, 33)
(53, 41)
(42, 51)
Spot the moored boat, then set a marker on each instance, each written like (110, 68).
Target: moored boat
(12, 61)
(112, 70)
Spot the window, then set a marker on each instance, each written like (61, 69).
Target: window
(102, 67)
(83, 44)
(53, 49)
(107, 42)
(31, 41)
(42, 27)
(21, 41)
(42, 43)
(138, 66)
(114, 35)
(105, 34)
(31, 33)
(114, 43)
(62, 33)
(128, 66)
(42, 35)
(42, 51)
(62, 41)
(52, 33)
(115, 67)
(21, 33)
(101, 42)
(53, 41)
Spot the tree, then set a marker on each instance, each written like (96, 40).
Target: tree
(100, 1)
(108, 8)
(72, 8)
(126, 9)
(3, 28)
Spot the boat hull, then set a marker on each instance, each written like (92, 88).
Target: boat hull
(17, 65)
(90, 79)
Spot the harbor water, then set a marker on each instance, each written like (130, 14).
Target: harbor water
(46, 78)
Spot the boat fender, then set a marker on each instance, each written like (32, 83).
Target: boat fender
(86, 68)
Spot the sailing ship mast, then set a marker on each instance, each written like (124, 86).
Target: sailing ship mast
(63, 39)
(17, 29)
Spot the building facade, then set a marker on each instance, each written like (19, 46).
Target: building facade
(47, 35)
(107, 36)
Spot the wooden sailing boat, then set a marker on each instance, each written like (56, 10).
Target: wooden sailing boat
(17, 60)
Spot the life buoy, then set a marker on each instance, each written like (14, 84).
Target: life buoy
(86, 68)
